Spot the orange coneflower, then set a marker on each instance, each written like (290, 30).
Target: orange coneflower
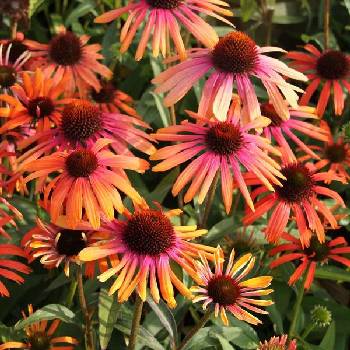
(148, 244)
(278, 343)
(40, 336)
(228, 291)
(69, 56)
(90, 178)
(7, 216)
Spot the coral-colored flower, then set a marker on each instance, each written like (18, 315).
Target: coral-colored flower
(330, 68)
(148, 244)
(40, 336)
(7, 216)
(163, 17)
(279, 130)
(299, 195)
(216, 147)
(10, 269)
(69, 56)
(90, 178)
(35, 103)
(310, 257)
(235, 59)
(227, 289)
(278, 343)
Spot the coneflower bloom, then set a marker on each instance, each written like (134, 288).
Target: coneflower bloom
(310, 257)
(330, 68)
(90, 178)
(35, 103)
(228, 290)
(235, 59)
(10, 269)
(69, 56)
(40, 335)
(56, 245)
(281, 130)
(162, 18)
(299, 195)
(10, 71)
(215, 147)
(148, 244)
(278, 343)
(7, 216)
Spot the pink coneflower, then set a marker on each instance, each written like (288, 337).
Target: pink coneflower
(330, 68)
(299, 195)
(281, 130)
(162, 18)
(69, 56)
(278, 343)
(216, 147)
(235, 59)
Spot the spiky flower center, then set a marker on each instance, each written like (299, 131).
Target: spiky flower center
(70, 242)
(149, 232)
(223, 290)
(298, 185)
(165, 4)
(80, 120)
(336, 153)
(105, 95)
(321, 316)
(235, 53)
(81, 163)
(65, 49)
(333, 65)
(317, 251)
(39, 341)
(224, 138)
(17, 49)
(8, 76)
(269, 111)
(40, 107)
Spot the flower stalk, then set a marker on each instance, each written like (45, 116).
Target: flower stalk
(326, 15)
(135, 323)
(209, 201)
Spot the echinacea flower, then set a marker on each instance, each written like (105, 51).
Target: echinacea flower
(56, 245)
(69, 56)
(10, 71)
(278, 343)
(235, 59)
(18, 47)
(90, 178)
(148, 244)
(35, 103)
(228, 290)
(40, 335)
(162, 19)
(329, 69)
(315, 254)
(9, 268)
(320, 316)
(281, 130)
(216, 147)
(7, 216)
(298, 196)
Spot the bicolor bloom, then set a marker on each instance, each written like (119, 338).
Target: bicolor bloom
(280, 130)
(162, 18)
(278, 343)
(235, 59)
(40, 335)
(329, 69)
(35, 103)
(89, 178)
(310, 257)
(298, 196)
(10, 71)
(69, 56)
(11, 269)
(56, 245)
(214, 147)
(148, 244)
(7, 216)
(228, 290)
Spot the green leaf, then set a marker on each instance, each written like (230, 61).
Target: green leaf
(164, 186)
(332, 273)
(347, 5)
(248, 7)
(163, 111)
(80, 11)
(48, 312)
(108, 311)
(328, 340)
(34, 6)
(224, 343)
(219, 230)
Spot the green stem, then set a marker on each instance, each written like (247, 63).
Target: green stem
(308, 330)
(326, 13)
(195, 329)
(135, 323)
(210, 200)
(71, 293)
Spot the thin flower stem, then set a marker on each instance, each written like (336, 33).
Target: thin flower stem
(14, 25)
(71, 293)
(195, 329)
(326, 13)
(89, 337)
(308, 330)
(210, 200)
(135, 323)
